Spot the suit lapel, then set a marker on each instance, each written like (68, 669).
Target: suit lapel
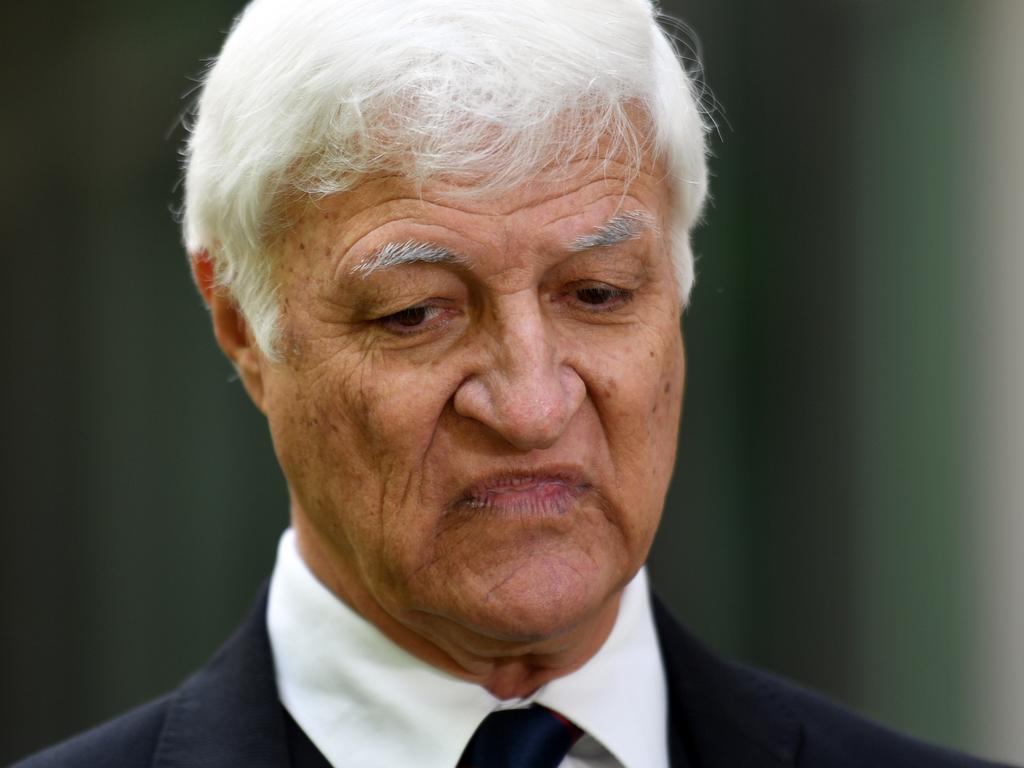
(228, 713)
(720, 715)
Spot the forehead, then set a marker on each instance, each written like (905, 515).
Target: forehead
(556, 210)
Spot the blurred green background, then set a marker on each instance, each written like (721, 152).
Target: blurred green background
(848, 496)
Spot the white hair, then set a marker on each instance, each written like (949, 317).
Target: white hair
(308, 97)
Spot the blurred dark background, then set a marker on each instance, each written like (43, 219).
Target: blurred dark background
(848, 489)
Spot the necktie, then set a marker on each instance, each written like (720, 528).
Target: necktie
(520, 738)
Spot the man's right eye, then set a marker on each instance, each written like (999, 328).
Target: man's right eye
(412, 319)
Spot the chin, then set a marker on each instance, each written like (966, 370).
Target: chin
(540, 600)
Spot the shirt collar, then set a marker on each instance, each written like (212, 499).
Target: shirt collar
(362, 700)
(619, 696)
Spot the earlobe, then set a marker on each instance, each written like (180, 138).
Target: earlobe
(230, 328)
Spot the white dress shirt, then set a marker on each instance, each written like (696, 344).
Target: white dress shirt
(366, 703)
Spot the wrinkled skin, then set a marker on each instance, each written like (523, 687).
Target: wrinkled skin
(477, 452)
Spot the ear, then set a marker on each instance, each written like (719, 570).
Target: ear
(232, 332)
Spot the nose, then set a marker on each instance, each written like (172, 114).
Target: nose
(524, 390)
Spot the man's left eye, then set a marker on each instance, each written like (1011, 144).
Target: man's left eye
(601, 297)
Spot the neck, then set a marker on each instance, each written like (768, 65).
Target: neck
(508, 669)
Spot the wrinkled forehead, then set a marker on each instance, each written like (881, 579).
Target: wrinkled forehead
(604, 186)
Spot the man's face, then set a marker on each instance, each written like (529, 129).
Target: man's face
(479, 442)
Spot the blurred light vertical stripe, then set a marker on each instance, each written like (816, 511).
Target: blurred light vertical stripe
(906, 220)
(998, 107)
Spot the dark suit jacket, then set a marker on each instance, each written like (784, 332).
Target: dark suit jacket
(721, 715)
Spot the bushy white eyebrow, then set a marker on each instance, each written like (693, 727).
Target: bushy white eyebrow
(620, 228)
(392, 255)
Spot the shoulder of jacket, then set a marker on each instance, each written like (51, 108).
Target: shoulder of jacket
(726, 707)
(833, 735)
(128, 740)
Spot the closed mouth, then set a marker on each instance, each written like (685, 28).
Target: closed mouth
(533, 492)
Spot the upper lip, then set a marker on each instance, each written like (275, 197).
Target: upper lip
(522, 478)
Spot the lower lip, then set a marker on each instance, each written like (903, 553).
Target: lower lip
(544, 498)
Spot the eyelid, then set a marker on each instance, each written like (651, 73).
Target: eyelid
(429, 324)
(620, 295)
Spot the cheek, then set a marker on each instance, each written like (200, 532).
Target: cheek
(667, 395)
(323, 437)
(666, 413)
(638, 395)
(639, 384)
(351, 437)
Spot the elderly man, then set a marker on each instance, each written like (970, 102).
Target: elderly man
(445, 243)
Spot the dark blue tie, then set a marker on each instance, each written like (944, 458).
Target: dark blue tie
(520, 738)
